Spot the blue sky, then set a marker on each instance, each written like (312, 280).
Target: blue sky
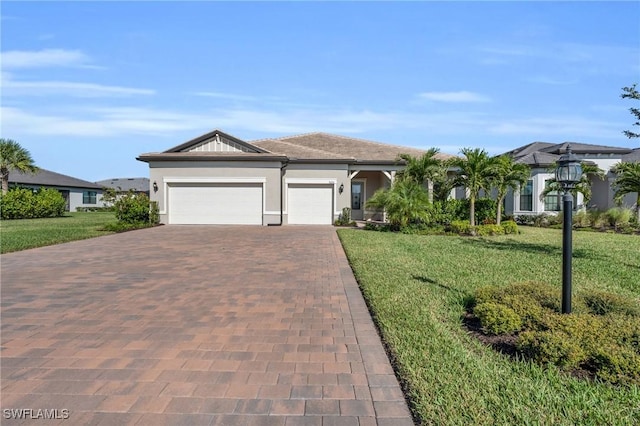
(88, 86)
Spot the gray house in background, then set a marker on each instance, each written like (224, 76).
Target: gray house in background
(138, 185)
(542, 158)
(77, 192)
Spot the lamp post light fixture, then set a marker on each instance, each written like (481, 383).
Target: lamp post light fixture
(568, 174)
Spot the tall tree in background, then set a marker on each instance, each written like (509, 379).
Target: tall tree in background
(507, 174)
(14, 157)
(475, 171)
(632, 93)
(627, 182)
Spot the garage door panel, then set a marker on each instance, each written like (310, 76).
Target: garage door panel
(219, 204)
(310, 204)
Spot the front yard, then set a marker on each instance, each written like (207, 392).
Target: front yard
(22, 234)
(416, 287)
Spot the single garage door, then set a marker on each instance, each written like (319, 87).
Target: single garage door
(215, 204)
(310, 204)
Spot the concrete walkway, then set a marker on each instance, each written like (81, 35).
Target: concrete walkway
(196, 326)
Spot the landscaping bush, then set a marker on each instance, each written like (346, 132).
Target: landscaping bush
(582, 219)
(461, 227)
(95, 209)
(497, 318)
(602, 336)
(24, 203)
(485, 230)
(445, 212)
(135, 208)
(344, 218)
(553, 347)
(603, 303)
(618, 217)
(510, 227)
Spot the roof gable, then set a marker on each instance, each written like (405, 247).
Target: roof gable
(216, 141)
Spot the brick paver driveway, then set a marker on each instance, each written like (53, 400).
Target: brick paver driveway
(193, 325)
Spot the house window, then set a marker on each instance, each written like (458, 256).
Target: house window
(526, 197)
(552, 200)
(89, 197)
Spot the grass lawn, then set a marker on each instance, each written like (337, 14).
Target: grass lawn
(23, 234)
(415, 286)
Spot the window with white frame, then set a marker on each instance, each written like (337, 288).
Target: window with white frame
(526, 197)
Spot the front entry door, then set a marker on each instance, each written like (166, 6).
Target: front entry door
(357, 200)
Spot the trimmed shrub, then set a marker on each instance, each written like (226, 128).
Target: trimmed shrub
(497, 318)
(462, 227)
(602, 336)
(135, 208)
(24, 203)
(553, 347)
(603, 303)
(510, 227)
(485, 230)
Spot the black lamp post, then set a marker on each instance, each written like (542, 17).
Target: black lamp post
(568, 174)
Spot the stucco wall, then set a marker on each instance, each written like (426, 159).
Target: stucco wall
(164, 172)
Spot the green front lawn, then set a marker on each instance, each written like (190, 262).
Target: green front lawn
(416, 287)
(23, 234)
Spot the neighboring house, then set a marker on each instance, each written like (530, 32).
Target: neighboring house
(542, 158)
(124, 185)
(77, 192)
(305, 179)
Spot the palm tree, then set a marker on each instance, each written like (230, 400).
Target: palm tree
(474, 173)
(507, 175)
(421, 169)
(406, 201)
(627, 182)
(583, 186)
(14, 157)
(443, 183)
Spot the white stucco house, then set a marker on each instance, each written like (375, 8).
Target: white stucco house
(542, 158)
(77, 192)
(217, 178)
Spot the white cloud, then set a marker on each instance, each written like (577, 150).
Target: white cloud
(12, 87)
(228, 96)
(454, 97)
(44, 58)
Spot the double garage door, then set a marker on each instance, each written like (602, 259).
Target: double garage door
(242, 204)
(215, 204)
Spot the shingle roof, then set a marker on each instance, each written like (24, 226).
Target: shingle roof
(307, 147)
(585, 148)
(48, 178)
(528, 149)
(540, 159)
(326, 146)
(140, 184)
(632, 157)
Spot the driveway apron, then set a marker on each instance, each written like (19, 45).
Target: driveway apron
(194, 325)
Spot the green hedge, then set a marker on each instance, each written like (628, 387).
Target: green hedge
(602, 336)
(24, 203)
